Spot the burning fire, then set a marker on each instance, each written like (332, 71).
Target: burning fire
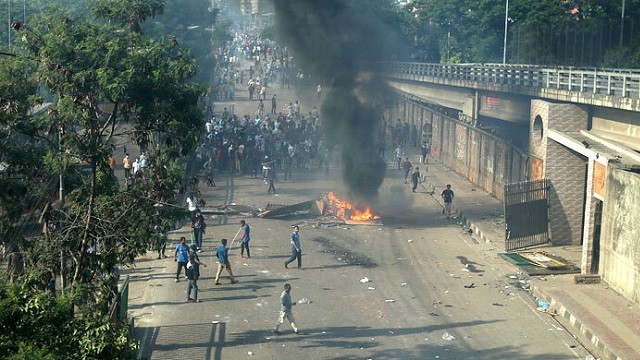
(349, 211)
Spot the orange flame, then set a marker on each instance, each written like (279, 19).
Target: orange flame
(343, 207)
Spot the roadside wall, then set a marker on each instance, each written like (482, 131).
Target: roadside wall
(620, 236)
(485, 160)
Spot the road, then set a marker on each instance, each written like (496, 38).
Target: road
(434, 292)
(428, 278)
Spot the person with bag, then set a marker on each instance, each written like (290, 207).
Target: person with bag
(193, 274)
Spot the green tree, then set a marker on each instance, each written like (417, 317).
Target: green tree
(575, 32)
(106, 80)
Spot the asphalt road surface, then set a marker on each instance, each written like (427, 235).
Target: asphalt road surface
(433, 291)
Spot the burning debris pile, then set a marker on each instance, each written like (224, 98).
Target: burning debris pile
(348, 212)
(329, 209)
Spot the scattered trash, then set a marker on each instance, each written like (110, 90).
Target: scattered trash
(512, 277)
(389, 301)
(403, 284)
(470, 286)
(249, 353)
(215, 322)
(371, 288)
(446, 291)
(448, 337)
(589, 357)
(497, 304)
(410, 240)
(543, 304)
(304, 301)
(365, 280)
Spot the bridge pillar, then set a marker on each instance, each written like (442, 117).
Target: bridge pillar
(566, 168)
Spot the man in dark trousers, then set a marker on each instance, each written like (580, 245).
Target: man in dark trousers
(274, 104)
(181, 256)
(198, 225)
(271, 178)
(296, 249)
(193, 274)
(246, 237)
(415, 178)
(447, 195)
(406, 166)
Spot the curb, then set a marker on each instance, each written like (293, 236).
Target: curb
(562, 311)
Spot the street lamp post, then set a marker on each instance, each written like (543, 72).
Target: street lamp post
(622, 23)
(506, 24)
(9, 23)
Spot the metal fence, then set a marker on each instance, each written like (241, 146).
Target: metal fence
(624, 83)
(120, 306)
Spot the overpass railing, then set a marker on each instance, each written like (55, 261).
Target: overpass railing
(606, 82)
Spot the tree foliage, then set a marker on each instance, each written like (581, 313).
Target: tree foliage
(105, 80)
(578, 32)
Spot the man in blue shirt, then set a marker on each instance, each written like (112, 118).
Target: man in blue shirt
(181, 256)
(222, 253)
(296, 249)
(246, 237)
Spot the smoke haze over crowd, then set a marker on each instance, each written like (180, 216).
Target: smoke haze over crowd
(339, 41)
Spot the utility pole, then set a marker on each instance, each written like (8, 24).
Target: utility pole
(9, 24)
(622, 23)
(506, 24)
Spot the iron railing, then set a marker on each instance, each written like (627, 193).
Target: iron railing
(624, 83)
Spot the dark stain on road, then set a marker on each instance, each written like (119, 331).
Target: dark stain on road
(347, 256)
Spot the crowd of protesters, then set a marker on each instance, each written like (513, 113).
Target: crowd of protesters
(263, 143)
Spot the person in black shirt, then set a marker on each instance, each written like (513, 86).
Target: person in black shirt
(447, 195)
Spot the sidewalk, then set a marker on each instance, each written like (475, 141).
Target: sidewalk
(598, 317)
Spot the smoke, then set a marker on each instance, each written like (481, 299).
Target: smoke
(340, 41)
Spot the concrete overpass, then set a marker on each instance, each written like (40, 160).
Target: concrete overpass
(505, 92)
(583, 140)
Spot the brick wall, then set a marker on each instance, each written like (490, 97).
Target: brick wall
(567, 171)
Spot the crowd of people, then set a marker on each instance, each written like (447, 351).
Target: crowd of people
(279, 140)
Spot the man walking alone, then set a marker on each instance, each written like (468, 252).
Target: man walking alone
(447, 195)
(285, 310)
(296, 249)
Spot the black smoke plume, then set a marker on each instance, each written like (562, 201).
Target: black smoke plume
(340, 41)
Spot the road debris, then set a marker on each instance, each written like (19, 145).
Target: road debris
(448, 337)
